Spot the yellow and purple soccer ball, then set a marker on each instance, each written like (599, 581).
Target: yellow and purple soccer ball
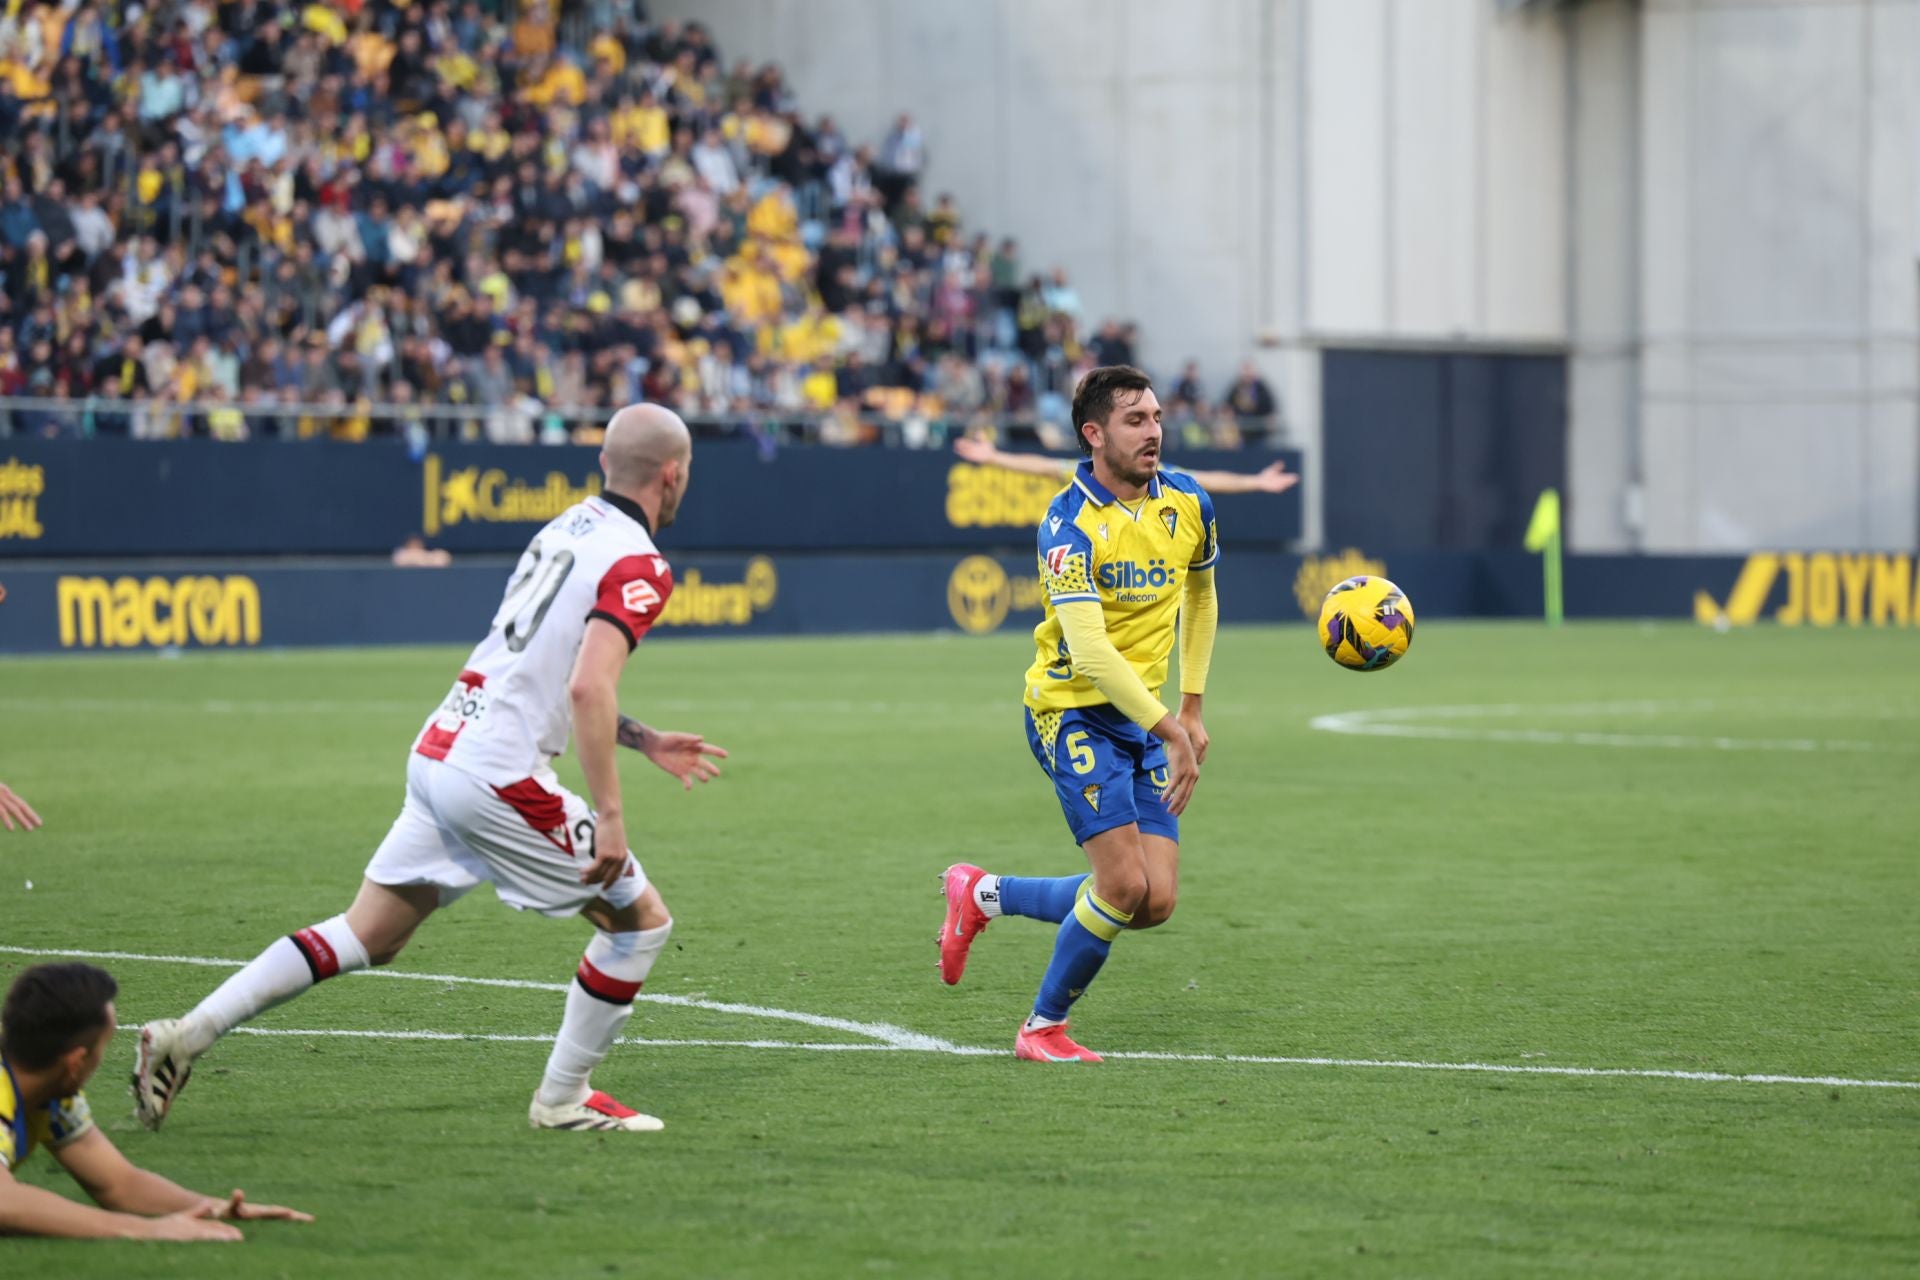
(1366, 623)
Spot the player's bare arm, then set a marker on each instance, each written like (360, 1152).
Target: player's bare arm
(984, 453)
(31, 1211)
(595, 693)
(686, 756)
(1199, 623)
(1272, 478)
(15, 810)
(120, 1186)
(1191, 722)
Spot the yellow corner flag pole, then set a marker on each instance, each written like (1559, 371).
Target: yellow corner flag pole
(1543, 537)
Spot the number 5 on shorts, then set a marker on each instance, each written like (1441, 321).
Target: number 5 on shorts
(1079, 752)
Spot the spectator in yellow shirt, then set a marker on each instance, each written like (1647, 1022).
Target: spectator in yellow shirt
(554, 80)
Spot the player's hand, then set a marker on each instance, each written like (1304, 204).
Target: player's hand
(236, 1209)
(198, 1223)
(1196, 733)
(1183, 767)
(13, 809)
(609, 851)
(1275, 478)
(687, 756)
(975, 450)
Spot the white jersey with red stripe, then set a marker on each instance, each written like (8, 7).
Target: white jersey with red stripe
(509, 713)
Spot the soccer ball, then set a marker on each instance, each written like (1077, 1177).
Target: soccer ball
(1366, 623)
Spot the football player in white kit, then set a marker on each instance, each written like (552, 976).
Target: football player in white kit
(483, 803)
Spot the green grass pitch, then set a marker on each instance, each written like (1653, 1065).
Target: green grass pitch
(1642, 848)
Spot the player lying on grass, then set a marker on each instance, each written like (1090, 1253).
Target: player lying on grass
(483, 803)
(13, 809)
(1272, 478)
(1126, 553)
(59, 1020)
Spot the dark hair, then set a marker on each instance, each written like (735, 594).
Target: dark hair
(51, 1009)
(1093, 398)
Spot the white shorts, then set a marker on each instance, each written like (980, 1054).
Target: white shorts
(530, 841)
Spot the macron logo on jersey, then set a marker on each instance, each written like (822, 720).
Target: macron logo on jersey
(1057, 558)
(639, 596)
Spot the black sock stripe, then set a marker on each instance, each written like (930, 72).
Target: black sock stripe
(619, 1004)
(313, 966)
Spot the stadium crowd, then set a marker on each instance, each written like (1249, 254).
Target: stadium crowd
(356, 217)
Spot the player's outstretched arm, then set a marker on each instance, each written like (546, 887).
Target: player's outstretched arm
(13, 809)
(687, 756)
(31, 1211)
(1272, 478)
(984, 453)
(124, 1188)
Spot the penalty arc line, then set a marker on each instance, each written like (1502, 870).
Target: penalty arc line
(1408, 722)
(899, 1040)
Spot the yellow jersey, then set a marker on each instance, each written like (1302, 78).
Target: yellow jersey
(51, 1126)
(1133, 560)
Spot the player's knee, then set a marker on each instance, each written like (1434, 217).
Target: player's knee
(1124, 891)
(1157, 910)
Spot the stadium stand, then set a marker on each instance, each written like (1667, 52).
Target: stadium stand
(440, 220)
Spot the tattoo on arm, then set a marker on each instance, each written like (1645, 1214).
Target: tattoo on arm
(632, 733)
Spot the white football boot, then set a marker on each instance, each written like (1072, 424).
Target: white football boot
(160, 1070)
(599, 1111)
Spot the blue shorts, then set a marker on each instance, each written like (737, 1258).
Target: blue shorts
(1107, 771)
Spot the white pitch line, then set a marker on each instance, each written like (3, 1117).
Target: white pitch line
(886, 1038)
(813, 1046)
(1253, 1059)
(1404, 722)
(886, 1033)
(421, 707)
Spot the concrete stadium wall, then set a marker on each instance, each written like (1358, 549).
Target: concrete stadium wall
(1779, 325)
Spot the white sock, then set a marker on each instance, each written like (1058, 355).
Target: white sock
(278, 974)
(986, 894)
(598, 1004)
(1035, 1022)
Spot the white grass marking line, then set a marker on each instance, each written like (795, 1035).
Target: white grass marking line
(816, 1046)
(901, 1041)
(885, 1033)
(420, 707)
(1406, 722)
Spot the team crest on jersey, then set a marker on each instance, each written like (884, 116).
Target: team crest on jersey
(1091, 794)
(1170, 517)
(1057, 558)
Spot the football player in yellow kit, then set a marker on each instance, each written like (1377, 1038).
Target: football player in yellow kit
(58, 1021)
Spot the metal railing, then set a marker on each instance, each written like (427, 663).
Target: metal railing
(158, 418)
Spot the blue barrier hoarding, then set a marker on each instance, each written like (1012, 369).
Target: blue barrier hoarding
(202, 498)
(109, 606)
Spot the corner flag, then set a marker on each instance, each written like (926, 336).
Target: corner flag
(1543, 536)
